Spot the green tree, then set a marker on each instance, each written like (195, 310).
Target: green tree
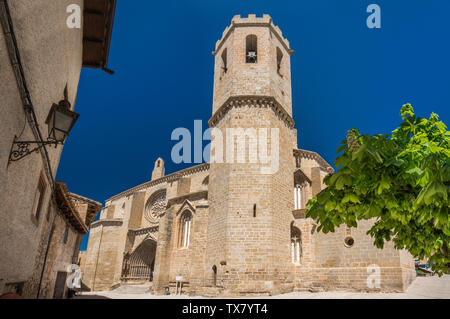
(400, 181)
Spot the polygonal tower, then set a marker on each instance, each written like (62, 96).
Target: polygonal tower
(251, 207)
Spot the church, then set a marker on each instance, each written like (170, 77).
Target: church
(227, 229)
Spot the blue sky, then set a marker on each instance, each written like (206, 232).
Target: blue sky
(344, 75)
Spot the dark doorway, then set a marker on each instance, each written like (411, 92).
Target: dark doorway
(214, 268)
(60, 285)
(139, 265)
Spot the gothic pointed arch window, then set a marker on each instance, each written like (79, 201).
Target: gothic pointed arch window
(185, 229)
(301, 186)
(298, 196)
(296, 245)
(251, 49)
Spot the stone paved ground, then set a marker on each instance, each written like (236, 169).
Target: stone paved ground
(421, 288)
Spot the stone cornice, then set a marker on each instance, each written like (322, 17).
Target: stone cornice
(181, 199)
(141, 231)
(313, 155)
(253, 101)
(164, 179)
(253, 21)
(107, 222)
(299, 213)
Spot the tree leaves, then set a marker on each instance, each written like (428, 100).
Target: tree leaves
(350, 198)
(401, 180)
(415, 172)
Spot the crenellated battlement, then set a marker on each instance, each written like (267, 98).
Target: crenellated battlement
(253, 20)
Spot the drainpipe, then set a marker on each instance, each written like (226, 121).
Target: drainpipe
(16, 63)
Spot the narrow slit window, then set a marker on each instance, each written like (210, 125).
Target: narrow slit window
(296, 245)
(39, 197)
(298, 197)
(224, 61)
(279, 61)
(251, 52)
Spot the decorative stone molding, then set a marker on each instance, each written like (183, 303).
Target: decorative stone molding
(164, 179)
(142, 231)
(155, 206)
(202, 204)
(107, 222)
(187, 205)
(252, 101)
(181, 199)
(299, 154)
(299, 213)
(300, 175)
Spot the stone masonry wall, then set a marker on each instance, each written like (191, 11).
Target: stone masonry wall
(50, 62)
(257, 248)
(242, 217)
(338, 266)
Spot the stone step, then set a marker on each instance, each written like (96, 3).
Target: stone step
(211, 292)
(134, 289)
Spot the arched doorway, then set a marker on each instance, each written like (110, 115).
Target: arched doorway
(139, 265)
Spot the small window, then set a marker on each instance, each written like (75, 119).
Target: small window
(251, 52)
(38, 198)
(349, 241)
(224, 61)
(279, 60)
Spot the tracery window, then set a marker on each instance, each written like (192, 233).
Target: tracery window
(156, 206)
(185, 230)
(302, 187)
(296, 245)
(299, 197)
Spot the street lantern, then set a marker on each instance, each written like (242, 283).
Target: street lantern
(60, 121)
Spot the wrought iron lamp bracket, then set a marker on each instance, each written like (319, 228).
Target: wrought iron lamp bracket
(21, 149)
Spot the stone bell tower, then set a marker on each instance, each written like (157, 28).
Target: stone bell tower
(251, 208)
(158, 170)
